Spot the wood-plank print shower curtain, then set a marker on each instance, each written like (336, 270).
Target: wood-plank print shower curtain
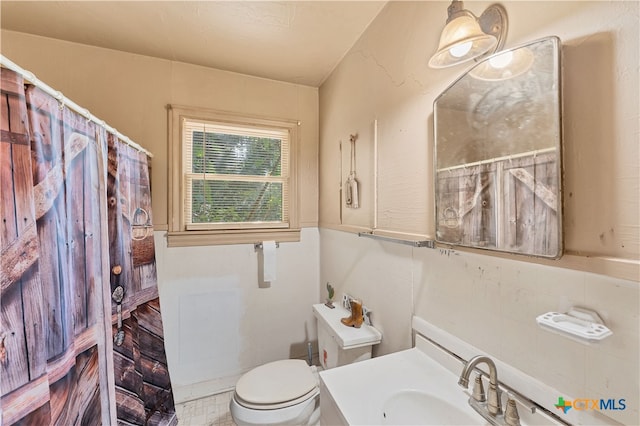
(56, 350)
(143, 390)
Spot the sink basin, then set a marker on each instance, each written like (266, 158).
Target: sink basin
(410, 387)
(414, 407)
(402, 388)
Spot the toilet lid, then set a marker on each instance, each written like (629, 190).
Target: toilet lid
(276, 382)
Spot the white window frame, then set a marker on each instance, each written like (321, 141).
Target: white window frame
(180, 233)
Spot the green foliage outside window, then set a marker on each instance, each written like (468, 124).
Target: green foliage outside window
(229, 200)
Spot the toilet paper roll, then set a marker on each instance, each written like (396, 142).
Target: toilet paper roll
(269, 261)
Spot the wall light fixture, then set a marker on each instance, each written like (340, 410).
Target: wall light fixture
(467, 37)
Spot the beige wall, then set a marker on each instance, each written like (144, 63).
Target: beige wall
(385, 78)
(488, 300)
(130, 92)
(218, 321)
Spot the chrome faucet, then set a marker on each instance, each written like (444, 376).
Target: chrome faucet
(494, 406)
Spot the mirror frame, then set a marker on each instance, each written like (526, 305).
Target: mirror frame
(499, 221)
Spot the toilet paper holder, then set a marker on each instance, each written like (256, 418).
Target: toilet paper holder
(258, 246)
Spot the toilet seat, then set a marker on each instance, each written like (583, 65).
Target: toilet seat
(312, 393)
(305, 413)
(277, 384)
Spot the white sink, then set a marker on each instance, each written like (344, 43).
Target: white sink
(405, 387)
(414, 407)
(410, 387)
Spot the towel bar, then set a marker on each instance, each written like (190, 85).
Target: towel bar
(413, 243)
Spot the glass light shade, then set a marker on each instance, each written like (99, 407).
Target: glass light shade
(462, 39)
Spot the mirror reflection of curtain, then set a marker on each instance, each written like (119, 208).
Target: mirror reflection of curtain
(507, 204)
(55, 343)
(531, 204)
(465, 205)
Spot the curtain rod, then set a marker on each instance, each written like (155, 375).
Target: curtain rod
(31, 78)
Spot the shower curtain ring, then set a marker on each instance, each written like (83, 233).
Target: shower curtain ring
(60, 97)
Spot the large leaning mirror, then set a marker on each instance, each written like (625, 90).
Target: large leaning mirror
(498, 165)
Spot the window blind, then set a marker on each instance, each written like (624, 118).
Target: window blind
(235, 175)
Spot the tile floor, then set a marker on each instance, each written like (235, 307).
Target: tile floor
(210, 411)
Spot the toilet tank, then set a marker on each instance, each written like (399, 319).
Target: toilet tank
(339, 344)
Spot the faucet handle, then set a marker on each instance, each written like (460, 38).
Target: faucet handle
(511, 417)
(494, 405)
(478, 389)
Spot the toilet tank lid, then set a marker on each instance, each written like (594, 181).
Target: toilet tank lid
(276, 382)
(346, 337)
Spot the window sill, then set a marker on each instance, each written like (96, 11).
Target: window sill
(248, 236)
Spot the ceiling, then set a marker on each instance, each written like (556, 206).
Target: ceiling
(295, 41)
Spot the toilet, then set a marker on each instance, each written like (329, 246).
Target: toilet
(286, 392)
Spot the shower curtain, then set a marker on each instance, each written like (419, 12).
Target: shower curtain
(143, 389)
(59, 193)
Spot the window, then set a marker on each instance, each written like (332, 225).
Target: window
(232, 180)
(235, 176)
